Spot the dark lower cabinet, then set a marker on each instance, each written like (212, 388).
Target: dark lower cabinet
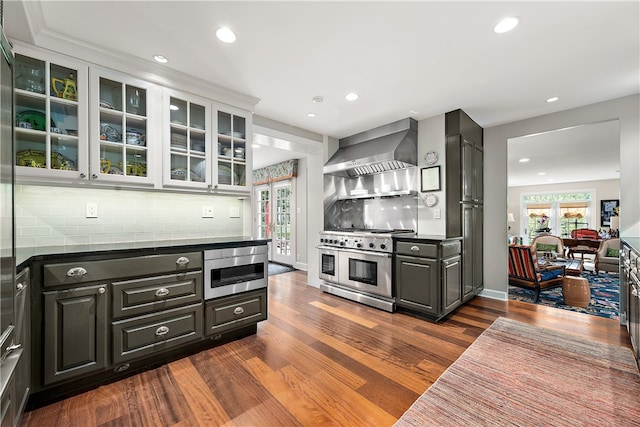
(428, 276)
(76, 326)
(224, 314)
(630, 281)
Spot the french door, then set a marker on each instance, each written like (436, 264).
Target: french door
(275, 205)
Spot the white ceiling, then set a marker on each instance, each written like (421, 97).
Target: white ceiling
(416, 59)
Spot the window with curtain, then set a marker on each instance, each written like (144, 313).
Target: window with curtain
(556, 213)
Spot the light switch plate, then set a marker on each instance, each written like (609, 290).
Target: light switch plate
(92, 210)
(207, 212)
(436, 213)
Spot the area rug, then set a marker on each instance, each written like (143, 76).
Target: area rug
(516, 374)
(275, 268)
(605, 296)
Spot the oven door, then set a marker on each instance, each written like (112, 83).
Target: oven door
(328, 263)
(233, 275)
(366, 271)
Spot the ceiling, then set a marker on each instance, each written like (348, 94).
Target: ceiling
(404, 59)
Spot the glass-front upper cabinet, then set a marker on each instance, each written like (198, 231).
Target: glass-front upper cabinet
(51, 99)
(233, 165)
(122, 134)
(187, 139)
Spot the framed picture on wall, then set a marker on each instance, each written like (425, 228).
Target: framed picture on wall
(430, 179)
(607, 209)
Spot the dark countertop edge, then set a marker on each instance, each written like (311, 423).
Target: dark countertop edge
(410, 237)
(25, 256)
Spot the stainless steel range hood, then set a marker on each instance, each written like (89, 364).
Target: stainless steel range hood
(389, 147)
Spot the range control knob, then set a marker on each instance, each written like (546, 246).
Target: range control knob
(321, 240)
(383, 246)
(371, 245)
(342, 243)
(359, 245)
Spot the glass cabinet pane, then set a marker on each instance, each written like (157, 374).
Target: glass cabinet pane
(123, 129)
(46, 115)
(29, 74)
(187, 144)
(232, 147)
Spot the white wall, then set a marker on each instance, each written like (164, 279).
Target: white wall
(432, 137)
(48, 216)
(604, 190)
(495, 179)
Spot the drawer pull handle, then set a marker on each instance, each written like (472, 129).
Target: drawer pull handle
(162, 330)
(102, 290)
(183, 260)
(76, 272)
(415, 249)
(162, 292)
(238, 311)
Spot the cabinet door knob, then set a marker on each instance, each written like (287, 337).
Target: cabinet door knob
(238, 311)
(20, 286)
(102, 290)
(94, 176)
(162, 330)
(183, 260)
(415, 249)
(162, 292)
(83, 175)
(76, 272)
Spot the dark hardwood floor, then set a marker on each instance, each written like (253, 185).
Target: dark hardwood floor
(318, 360)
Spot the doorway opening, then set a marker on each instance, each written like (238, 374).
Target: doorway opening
(556, 181)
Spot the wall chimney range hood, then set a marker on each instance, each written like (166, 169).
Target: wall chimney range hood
(385, 148)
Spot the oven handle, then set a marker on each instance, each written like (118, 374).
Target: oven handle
(356, 251)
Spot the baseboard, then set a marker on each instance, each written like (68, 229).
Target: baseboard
(301, 266)
(499, 295)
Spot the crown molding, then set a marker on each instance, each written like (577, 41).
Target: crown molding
(146, 70)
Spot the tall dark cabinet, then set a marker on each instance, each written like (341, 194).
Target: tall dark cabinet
(465, 195)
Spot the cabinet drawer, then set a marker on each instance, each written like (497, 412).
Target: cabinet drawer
(141, 296)
(228, 313)
(72, 273)
(427, 250)
(151, 333)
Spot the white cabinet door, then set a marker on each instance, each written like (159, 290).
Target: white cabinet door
(51, 101)
(187, 141)
(125, 129)
(232, 168)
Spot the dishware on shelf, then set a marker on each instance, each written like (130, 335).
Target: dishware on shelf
(65, 88)
(135, 138)
(109, 133)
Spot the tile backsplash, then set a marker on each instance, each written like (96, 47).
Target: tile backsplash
(47, 216)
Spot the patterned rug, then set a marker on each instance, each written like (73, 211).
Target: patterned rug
(605, 296)
(516, 374)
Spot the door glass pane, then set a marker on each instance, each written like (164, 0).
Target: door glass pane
(283, 221)
(263, 214)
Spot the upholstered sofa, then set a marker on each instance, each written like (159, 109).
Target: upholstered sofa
(608, 256)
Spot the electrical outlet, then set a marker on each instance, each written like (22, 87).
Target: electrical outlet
(92, 210)
(207, 212)
(436, 213)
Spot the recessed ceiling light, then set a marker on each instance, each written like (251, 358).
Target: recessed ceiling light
(351, 96)
(224, 34)
(173, 107)
(311, 114)
(524, 160)
(160, 58)
(317, 99)
(255, 145)
(507, 24)
(553, 99)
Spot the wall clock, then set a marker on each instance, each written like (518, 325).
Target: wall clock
(431, 157)
(430, 199)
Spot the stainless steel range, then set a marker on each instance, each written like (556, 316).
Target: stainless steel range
(357, 264)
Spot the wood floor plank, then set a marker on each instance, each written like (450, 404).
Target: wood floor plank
(319, 360)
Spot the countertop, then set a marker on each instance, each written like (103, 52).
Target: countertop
(26, 255)
(419, 236)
